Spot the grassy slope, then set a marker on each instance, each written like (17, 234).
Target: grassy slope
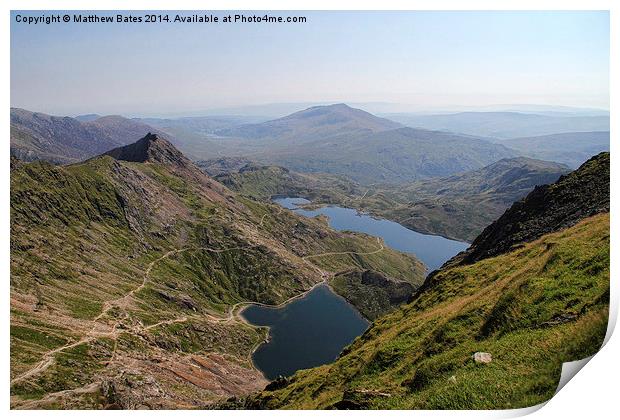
(264, 182)
(86, 237)
(532, 309)
(401, 155)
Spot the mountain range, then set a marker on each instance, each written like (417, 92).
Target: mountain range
(333, 139)
(571, 149)
(460, 206)
(319, 122)
(399, 155)
(37, 136)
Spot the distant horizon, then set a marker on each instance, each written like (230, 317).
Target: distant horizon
(300, 106)
(420, 60)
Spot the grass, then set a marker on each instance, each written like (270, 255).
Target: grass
(532, 309)
(37, 337)
(195, 337)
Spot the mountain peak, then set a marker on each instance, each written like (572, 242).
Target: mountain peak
(333, 107)
(150, 148)
(338, 109)
(314, 123)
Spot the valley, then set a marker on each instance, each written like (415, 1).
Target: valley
(145, 278)
(536, 302)
(456, 207)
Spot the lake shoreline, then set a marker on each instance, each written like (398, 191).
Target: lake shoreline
(313, 205)
(432, 250)
(268, 336)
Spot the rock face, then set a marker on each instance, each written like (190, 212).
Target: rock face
(398, 291)
(548, 208)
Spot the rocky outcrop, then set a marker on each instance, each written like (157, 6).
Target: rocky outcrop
(397, 291)
(150, 148)
(371, 292)
(482, 357)
(548, 208)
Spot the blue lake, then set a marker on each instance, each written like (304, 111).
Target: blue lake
(432, 250)
(313, 330)
(307, 332)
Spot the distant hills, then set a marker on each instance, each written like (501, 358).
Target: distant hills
(571, 149)
(504, 124)
(332, 139)
(319, 122)
(460, 206)
(87, 117)
(399, 155)
(341, 140)
(194, 135)
(38, 136)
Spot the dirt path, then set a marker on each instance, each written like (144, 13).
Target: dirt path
(100, 330)
(54, 396)
(262, 219)
(166, 322)
(122, 301)
(48, 359)
(325, 254)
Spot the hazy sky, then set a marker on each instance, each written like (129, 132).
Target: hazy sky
(426, 59)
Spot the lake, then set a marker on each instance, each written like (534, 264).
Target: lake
(432, 250)
(306, 332)
(313, 330)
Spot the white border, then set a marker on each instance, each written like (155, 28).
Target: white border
(593, 394)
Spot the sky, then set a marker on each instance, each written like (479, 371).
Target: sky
(422, 59)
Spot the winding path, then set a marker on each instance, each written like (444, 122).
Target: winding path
(122, 302)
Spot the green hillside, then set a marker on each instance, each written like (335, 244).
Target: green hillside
(531, 309)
